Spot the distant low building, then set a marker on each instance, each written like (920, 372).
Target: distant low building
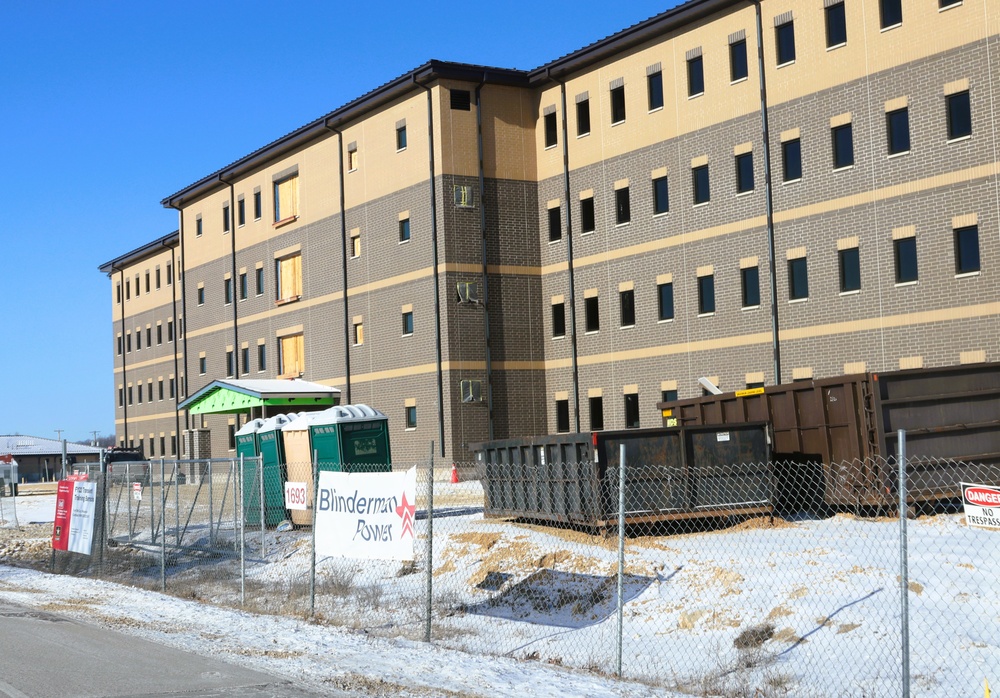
(40, 460)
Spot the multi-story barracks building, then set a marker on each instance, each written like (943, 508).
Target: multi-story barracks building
(751, 192)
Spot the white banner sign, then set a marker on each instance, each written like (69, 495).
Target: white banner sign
(366, 515)
(982, 505)
(81, 518)
(295, 496)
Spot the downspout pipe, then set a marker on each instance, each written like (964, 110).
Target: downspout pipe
(180, 322)
(173, 311)
(343, 261)
(434, 245)
(486, 279)
(768, 196)
(569, 256)
(232, 281)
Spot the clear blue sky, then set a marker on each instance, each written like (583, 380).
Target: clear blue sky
(108, 107)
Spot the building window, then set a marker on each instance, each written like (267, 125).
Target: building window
(959, 115)
(147, 282)
(230, 364)
(890, 12)
(228, 285)
(551, 130)
(352, 160)
(750, 283)
(654, 88)
(596, 413)
(121, 345)
(791, 160)
(784, 35)
(128, 342)
(668, 395)
(118, 294)
(159, 334)
(905, 251)
(159, 389)
(170, 330)
(738, 60)
(231, 432)
(157, 278)
(411, 417)
(241, 212)
(291, 356)
(172, 388)
(623, 209)
(289, 273)
(259, 274)
(359, 333)
(243, 286)
(843, 146)
(626, 303)
(286, 198)
(588, 221)
(355, 246)
(202, 365)
(562, 416)
(121, 396)
(139, 393)
(261, 357)
(706, 294)
(744, 173)
(225, 218)
(198, 229)
(407, 323)
(555, 224)
(699, 180)
(618, 104)
(558, 319)
(836, 25)
(897, 127)
(404, 230)
(696, 76)
(583, 117)
(128, 289)
(245, 360)
(461, 100)
(967, 249)
(256, 205)
(661, 196)
(591, 314)
(138, 339)
(163, 445)
(170, 273)
(401, 138)
(632, 411)
(665, 301)
(850, 270)
(130, 395)
(201, 295)
(798, 279)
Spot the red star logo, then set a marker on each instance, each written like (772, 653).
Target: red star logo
(406, 512)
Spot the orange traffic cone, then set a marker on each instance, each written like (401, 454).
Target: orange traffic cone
(454, 474)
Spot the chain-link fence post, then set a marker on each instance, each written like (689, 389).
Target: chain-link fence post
(211, 503)
(263, 528)
(241, 530)
(904, 573)
(177, 503)
(163, 531)
(621, 556)
(429, 574)
(312, 564)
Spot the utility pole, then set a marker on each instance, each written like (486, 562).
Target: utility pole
(94, 442)
(59, 433)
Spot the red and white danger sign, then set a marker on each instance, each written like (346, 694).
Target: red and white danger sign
(982, 505)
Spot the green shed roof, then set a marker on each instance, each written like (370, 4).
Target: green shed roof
(233, 396)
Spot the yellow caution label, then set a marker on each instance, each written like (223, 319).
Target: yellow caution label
(749, 391)
(666, 413)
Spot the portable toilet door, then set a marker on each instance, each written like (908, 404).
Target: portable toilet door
(298, 459)
(351, 439)
(272, 453)
(248, 447)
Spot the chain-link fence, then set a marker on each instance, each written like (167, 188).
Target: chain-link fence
(742, 580)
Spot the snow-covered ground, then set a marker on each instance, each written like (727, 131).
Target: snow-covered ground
(783, 608)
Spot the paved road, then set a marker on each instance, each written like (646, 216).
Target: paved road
(45, 655)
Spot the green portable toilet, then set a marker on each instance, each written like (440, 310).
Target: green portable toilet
(351, 439)
(248, 446)
(272, 453)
